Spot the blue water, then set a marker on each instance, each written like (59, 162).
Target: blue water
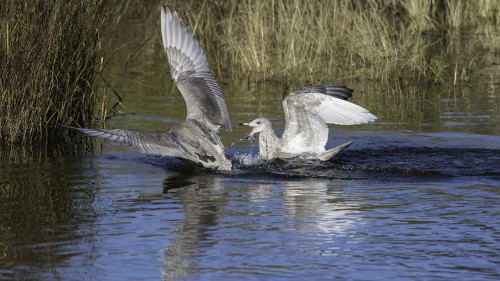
(407, 212)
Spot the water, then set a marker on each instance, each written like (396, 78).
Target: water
(414, 198)
(377, 213)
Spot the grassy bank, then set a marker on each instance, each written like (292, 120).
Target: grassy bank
(48, 52)
(309, 41)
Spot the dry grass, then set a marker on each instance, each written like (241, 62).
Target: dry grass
(311, 41)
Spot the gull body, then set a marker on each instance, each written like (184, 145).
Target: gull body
(194, 140)
(307, 113)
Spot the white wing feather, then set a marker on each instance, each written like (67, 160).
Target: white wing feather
(307, 113)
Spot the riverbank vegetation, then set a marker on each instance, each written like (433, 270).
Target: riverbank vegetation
(48, 54)
(51, 53)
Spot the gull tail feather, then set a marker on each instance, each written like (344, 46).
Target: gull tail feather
(327, 155)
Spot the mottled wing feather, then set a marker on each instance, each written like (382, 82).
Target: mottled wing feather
(304, 132)
(145, 141)
(204, 99)
(309, 110)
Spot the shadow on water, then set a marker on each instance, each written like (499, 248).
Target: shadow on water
(394, 162)
(379, 156)
(384, 164)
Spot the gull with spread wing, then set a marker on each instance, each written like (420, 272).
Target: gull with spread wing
(194, 140)
(307, 113)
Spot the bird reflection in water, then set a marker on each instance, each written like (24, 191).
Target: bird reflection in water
(203, 206)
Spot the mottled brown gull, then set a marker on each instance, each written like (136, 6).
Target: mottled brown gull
(307, 113)
(194, 140)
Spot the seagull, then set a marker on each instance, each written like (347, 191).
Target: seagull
(307, 113)
(194, 140)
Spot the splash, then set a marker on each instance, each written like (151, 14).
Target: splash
(248, 159)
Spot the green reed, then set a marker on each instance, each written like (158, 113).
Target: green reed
(48, 53)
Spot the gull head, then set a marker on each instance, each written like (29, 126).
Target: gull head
(258, 125)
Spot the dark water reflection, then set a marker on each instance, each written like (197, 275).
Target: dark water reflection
(46, 205)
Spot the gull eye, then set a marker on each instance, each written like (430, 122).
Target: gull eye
(258, 123)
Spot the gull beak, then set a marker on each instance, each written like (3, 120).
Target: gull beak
(250, 137)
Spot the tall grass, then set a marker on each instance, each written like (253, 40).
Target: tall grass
(324, 40)
(48, 52)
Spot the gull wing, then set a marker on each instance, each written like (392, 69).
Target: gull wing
(145, 141)
(309, 110)
(189, 67)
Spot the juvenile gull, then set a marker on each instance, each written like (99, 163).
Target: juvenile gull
(194, 140)
(307, 113)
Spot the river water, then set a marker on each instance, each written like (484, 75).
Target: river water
(416, 197)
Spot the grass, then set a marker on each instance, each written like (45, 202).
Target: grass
(316, 41)
(48, 53)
